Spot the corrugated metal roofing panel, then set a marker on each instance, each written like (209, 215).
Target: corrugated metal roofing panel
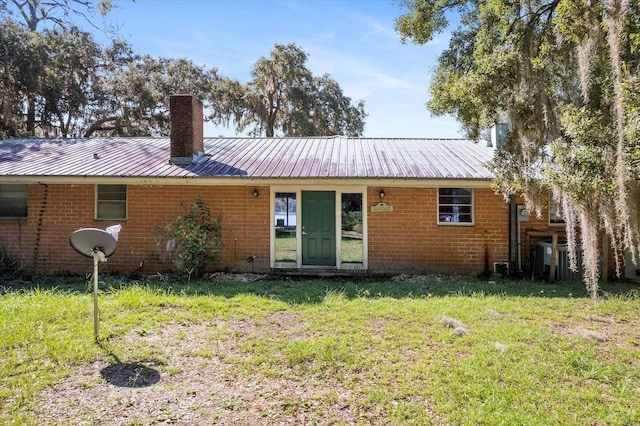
(242, 160)
(233, 161)
(271, 156)
(280, 153)
(289, 160)
(312, 157)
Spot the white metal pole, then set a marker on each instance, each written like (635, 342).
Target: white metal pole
(96, 256)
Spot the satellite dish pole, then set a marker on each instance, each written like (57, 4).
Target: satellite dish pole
(98, 255)
(99, 245)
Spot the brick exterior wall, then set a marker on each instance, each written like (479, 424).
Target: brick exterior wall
(41, 242)
(186, 125)
(409, 239)
(406, 240)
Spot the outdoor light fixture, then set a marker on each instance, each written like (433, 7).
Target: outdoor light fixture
(255, 193)
(381, 193)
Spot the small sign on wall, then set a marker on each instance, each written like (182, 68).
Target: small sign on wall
(382, 207)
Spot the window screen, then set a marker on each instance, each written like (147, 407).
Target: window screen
(111, 202)
(13, 200)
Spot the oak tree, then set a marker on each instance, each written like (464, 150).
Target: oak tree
(285, 96)
(60, 13)
(565, 75)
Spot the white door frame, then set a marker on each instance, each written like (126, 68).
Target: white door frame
(339, 190)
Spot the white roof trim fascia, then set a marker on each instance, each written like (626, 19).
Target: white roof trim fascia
(241, 181)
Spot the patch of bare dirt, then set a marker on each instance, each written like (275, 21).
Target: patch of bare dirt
(583, 333)
(603, 329)
(193, 375)
(429, 278)
(234, 277)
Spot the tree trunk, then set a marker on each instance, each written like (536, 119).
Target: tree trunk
(31, 115)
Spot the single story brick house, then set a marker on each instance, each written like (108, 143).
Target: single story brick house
(360, 205)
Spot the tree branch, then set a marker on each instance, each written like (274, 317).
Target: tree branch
(98, 125)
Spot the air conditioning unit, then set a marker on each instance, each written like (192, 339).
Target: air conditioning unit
(542, 262)
(564, 269)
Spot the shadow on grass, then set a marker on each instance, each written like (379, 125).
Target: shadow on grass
(130, 375)
(313, 290)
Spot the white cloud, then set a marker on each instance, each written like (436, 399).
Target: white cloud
(376, 28)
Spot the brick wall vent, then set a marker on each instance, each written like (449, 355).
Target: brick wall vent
(187, 145)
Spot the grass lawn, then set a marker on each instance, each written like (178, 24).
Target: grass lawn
(427, 351)
(286, 249)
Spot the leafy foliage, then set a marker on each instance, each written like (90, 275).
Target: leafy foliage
(196, 235)
(564, 74)
(8, 265)
(284, 95)
(56, 12)
(57, 15)
(352, 221)
(134, 96)
(63, 83)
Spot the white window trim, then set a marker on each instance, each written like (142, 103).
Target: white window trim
(126, 204)
(473, 208)
(339, 190)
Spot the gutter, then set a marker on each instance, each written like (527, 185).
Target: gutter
(244, 180)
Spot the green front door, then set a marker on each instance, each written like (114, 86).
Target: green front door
(319, 228)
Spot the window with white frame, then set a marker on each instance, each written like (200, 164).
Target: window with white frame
(286, 231)
(13, 200)
(111, 202)
(352, 232)
(455, 206)
(555, 218)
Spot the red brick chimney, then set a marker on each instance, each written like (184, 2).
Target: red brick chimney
(186, 128)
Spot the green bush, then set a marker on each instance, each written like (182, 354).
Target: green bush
(352, 221)
(196, 235)
(8, 265)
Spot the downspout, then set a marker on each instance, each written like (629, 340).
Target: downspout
(522, 216)
(519, 246)
(498, 136)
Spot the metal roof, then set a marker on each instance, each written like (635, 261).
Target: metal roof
(312, 157)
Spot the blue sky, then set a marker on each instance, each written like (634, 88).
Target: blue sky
(353, 40)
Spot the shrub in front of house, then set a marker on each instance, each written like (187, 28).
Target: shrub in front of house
(194, 237)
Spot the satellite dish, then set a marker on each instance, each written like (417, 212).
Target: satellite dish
(98, 244)
(87, 240)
